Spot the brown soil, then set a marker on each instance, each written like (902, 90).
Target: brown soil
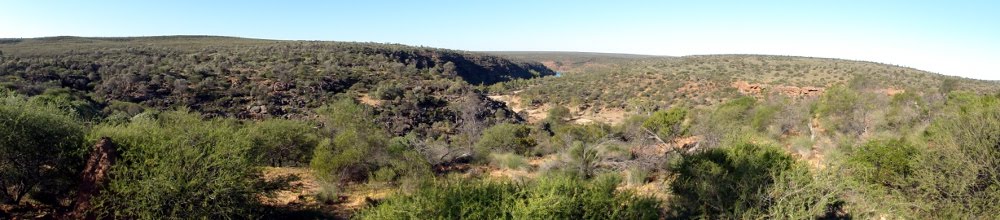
(301, 195)
(368, 100)
(759, 90)
(536, 114)
(893, 91)
(300, 192)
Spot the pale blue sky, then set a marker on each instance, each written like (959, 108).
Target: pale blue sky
(950, 37)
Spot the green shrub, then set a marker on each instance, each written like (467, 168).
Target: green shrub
(281, 142)
(508, 160)
(77, 103)
(388, 92)
(328, 193)
(558, 114)
(40, 149)
(505, 137)
(727, 182)
(728, 119)
(355, 138)
(359, 148)
(551, 197)
(799, 194)
(588, 133)
(958, 175)
(344, 157)
(886, 162)
(843, 110)
(667, 124)
(175, 165)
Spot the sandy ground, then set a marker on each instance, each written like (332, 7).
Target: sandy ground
(586, 116)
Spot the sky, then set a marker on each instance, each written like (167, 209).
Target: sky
(960, 38)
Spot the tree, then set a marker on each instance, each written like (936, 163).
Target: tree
(558, 114)
(176, 165)
(886, 162)
(356, 144)
(282, 142)
(39, 145)
(472, 122)
(667, 124)
(728, 182)
(505, 137)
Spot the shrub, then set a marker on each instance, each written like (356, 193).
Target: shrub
(360, 148)
(667, 124)
(388, 92)
(886, 162)
(344, 157)
(78, 104)
(558, 114)
(281, 142)
(843, 110)
(175, 165)
(958, 175)
(552, 197)
(727, 119)
(727, 182)
(40, 149)
(508, 160)
(799, 194)
(355, 138)
(505, 137)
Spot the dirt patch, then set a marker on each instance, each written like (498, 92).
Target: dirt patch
(358, 197)
(815, 156)
(893, 91)
(759, 90)
(658, 188)
(301, 195)
(302, 191)
(368, 100)
(535, 114)
(607, 115)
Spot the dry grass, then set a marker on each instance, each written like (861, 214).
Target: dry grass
(302, 193)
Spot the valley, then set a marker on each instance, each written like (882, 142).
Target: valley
(225, 127)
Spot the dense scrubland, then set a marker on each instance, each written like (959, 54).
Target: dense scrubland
(199, 125)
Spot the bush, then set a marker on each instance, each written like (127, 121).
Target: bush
(553, 197)
(388, 92)
(281, 142)
(359, 148)
(558, 114)
(40, 149)
(356, 137)
(667, 124)
(727, 182)
(505, 137)
(77, 103)
(843, 110)
(727, 119)
(887, 162)
(958, 174)
(175, 165)
(509, 161)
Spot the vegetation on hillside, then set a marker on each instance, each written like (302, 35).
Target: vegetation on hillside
(204, 126)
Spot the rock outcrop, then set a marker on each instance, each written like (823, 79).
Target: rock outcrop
(759, 90)
(94, 177)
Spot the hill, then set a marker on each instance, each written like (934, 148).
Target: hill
(221, 127)
(571, 62)
(630, 82)
(255, 79)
